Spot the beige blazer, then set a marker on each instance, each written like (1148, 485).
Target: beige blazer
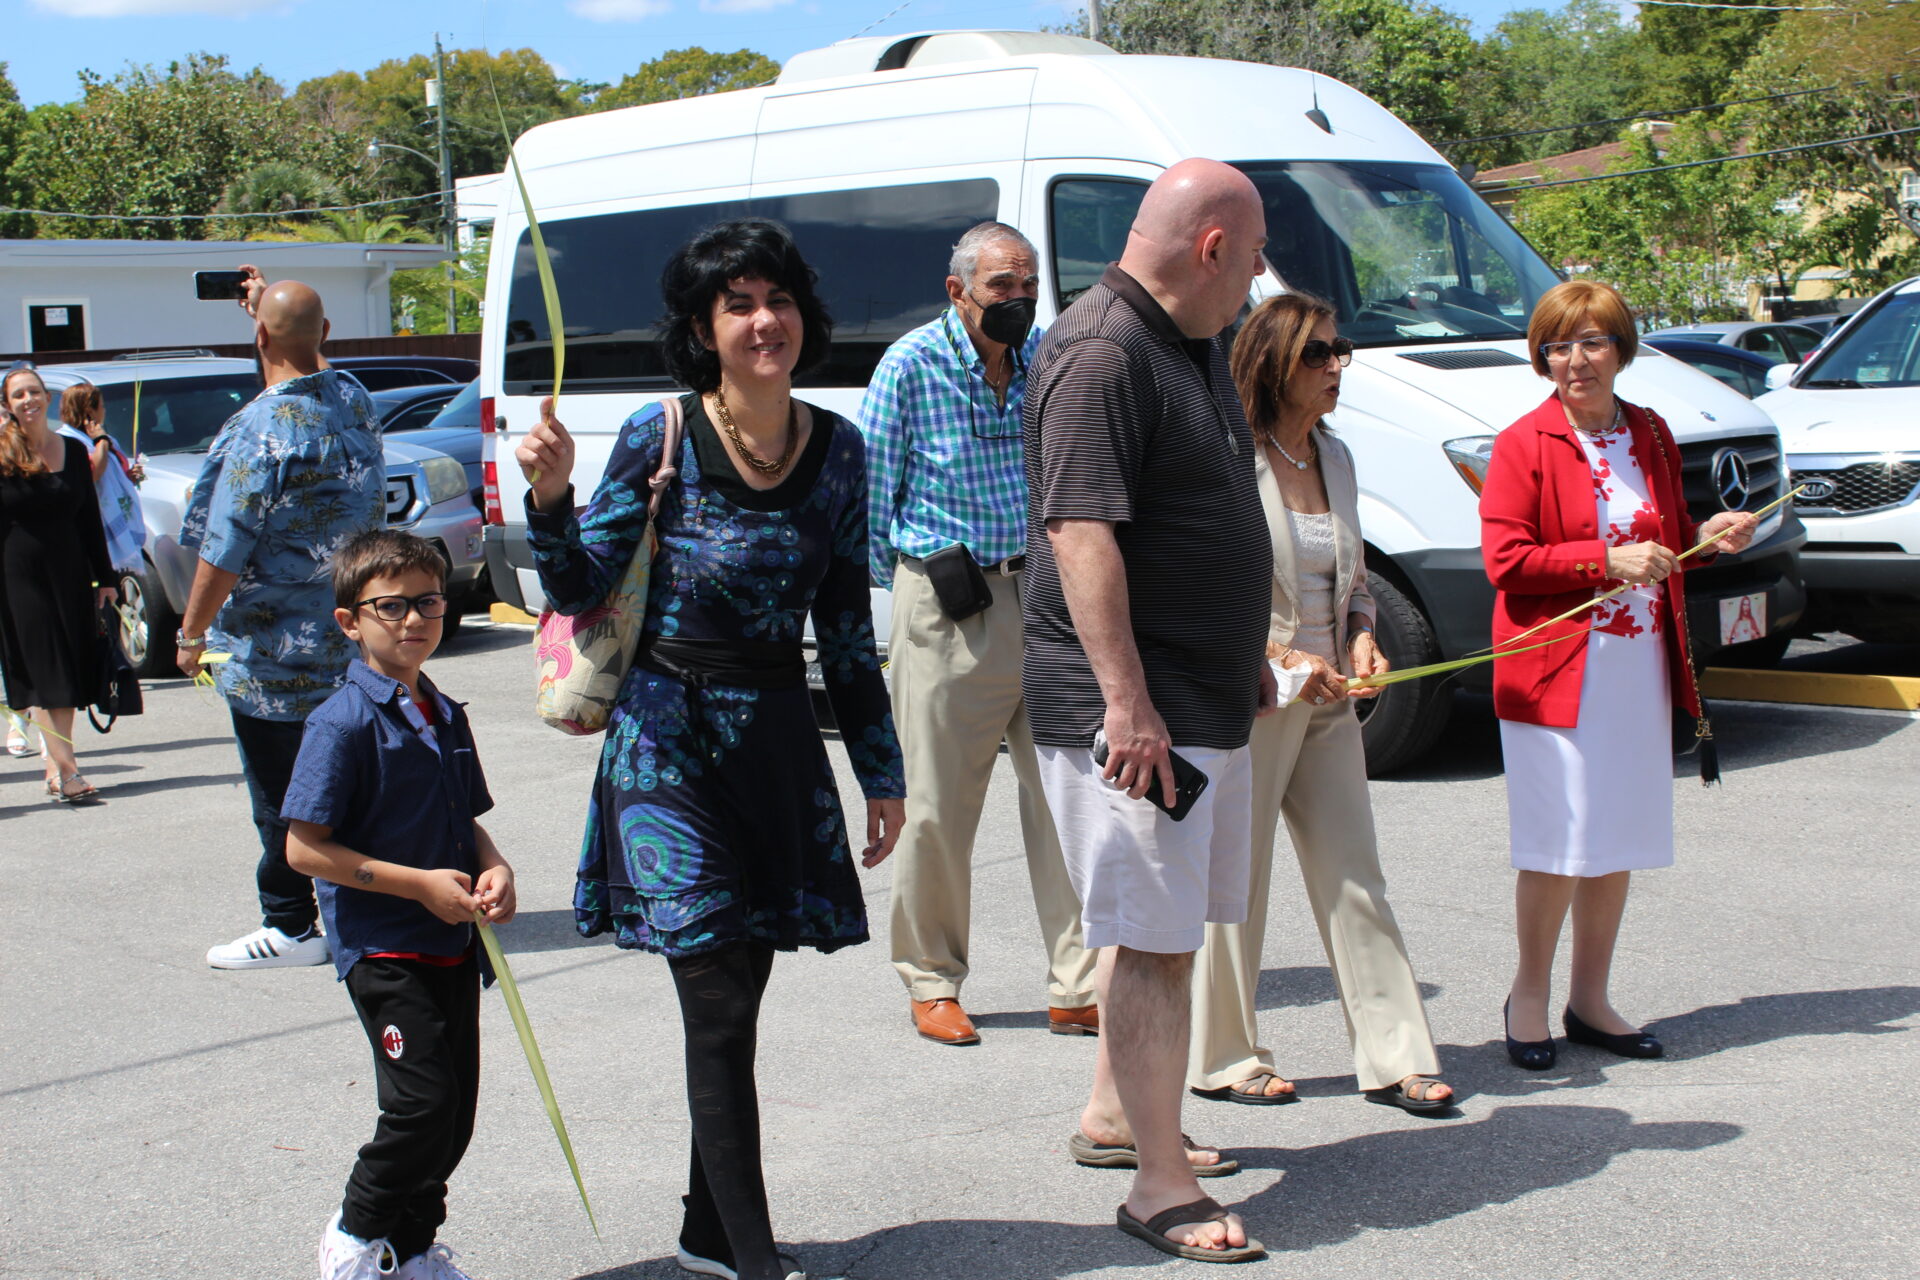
(1350, 567)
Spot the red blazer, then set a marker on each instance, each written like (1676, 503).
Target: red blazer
(1539, 536)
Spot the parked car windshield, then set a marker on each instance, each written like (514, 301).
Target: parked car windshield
(461, 411)
(1405, 252)
(178, 415)
(1881, 350)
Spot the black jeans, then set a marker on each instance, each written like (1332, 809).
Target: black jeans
(423, 1022)
(267, 752)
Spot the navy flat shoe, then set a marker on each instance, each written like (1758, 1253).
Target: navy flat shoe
(1530, 1055)
(1634, 1044)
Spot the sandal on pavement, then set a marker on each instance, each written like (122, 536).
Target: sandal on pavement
(1205, 1209)
(1122, 1155)
(1401, 1096)
(87, 790)
(1234, 1093)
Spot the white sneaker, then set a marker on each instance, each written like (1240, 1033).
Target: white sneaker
(345, 1257)
(268, 948)
(435, 1264)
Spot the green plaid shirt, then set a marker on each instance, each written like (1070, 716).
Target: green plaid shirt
(945, 462)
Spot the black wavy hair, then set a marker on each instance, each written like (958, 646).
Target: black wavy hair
(743, 249)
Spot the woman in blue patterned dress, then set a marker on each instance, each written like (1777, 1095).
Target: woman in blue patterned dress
(714, 834)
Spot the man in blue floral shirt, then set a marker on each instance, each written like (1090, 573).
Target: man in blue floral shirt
(288, 481)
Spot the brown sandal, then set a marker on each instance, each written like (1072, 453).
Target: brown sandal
(1205, 1209)
(1401, 1095)
(1249, 1097)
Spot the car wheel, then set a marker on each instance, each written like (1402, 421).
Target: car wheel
(1405, 720)
(147, 624)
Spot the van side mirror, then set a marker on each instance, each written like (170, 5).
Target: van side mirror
(1779, 375)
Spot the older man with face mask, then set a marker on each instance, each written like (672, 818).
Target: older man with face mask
(948, 518)
(1146, 614)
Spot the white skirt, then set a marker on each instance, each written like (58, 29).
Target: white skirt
(1598, 798)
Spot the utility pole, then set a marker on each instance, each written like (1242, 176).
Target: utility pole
(1093, 19)
(437, 99)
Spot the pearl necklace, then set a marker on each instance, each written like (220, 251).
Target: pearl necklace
(1606, 430)
(1298, 465)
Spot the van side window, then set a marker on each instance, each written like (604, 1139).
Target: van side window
(881, 255)
(1091, 217)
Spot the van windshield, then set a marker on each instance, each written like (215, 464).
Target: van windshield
(1405, 252)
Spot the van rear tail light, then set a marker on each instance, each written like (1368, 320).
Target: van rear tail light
(489, 469)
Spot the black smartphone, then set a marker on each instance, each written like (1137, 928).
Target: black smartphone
(219, 286)
(1188, 780)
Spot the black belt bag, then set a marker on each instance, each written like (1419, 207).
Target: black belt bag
(958, 582)
(743, 664)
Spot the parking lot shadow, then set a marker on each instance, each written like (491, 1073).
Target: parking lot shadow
(1306, 984)
(1751, 734)
(545, 931)
(1398, 1180)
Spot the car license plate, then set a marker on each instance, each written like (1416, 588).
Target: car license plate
(1743, 618)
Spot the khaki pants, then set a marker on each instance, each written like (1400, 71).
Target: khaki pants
(956, 695)
(1308, 765)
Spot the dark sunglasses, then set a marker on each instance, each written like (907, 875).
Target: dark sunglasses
(394, 608)
(1316, 353)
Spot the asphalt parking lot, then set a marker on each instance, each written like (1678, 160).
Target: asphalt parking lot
(159, 1119)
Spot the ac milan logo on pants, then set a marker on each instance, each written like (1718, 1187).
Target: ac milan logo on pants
(393, 1042)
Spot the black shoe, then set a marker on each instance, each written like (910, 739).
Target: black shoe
(1634, 1044)
(1531, 1055)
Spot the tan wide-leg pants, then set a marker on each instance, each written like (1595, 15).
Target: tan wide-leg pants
(1308, 765)
(956, 695)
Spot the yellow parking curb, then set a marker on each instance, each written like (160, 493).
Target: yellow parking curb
(1885, 693)
(507, 614)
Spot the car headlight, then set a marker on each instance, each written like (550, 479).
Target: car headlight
(1470, 456)
(446, 479)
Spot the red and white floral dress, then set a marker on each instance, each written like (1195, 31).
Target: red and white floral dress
(1598, 798)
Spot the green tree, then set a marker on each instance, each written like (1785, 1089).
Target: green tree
(1541, 69)
(279, 186)
(14, 192)
(353, 226)
(688, 73)
(1697, 52)
(153, 144)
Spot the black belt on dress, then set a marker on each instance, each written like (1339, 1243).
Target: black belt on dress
(744, 664)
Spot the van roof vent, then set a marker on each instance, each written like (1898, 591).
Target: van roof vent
(1474, 358)
(869, 54)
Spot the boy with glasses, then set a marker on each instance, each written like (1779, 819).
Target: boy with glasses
(381, 812)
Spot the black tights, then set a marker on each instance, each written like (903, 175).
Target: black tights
(726, 1197)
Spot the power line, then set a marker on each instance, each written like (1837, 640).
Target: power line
(1640, 115)
(882, 18)
(1749, 8)
(1694, 164)
(211, 217)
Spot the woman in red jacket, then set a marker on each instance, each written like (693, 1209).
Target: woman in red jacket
(1583, 494)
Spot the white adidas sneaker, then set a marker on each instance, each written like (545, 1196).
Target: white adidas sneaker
(346, 1257)
(268, 948)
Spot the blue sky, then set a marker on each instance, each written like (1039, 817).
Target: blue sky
(45, 42)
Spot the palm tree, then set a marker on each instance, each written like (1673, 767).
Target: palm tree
(353, 226)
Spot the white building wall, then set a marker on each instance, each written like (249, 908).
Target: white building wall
(141, 293)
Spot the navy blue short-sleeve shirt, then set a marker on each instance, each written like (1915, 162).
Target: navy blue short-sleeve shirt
(388, 793)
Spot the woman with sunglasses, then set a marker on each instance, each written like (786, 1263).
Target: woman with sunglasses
(1308, 763)
(1584, 495)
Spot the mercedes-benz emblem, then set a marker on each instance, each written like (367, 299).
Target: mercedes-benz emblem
(1731, 480)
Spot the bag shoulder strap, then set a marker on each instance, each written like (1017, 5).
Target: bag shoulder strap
(676, 422)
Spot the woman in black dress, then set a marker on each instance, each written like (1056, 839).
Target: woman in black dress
(53, 552)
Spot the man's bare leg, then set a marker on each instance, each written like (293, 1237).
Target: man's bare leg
(1140, 1070)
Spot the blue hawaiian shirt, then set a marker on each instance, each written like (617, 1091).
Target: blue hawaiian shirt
(946, 461)
(288, 481)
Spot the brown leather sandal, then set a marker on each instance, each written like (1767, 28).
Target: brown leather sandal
(1205, 1209)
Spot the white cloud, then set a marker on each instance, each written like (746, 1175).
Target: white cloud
(740, 6)
(618, 10)
(157, 8)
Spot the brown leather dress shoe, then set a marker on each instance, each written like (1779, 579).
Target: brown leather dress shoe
(944, 1022)
(1084, 1021)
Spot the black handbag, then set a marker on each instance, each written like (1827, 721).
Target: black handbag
(119, 693)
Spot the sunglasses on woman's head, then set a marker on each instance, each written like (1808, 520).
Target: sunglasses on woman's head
(1316, 353)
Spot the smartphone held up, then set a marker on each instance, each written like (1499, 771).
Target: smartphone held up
(219, 286)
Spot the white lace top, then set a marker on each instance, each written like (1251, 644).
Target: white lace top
(1314, 565)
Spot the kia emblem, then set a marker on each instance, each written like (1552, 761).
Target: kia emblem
(1814, 490)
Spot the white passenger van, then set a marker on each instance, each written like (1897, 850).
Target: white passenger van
(879, 152)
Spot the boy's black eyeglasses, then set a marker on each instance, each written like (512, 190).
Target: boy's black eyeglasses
(394, 608)
(1316, 353)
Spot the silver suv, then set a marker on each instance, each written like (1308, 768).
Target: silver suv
(184, 399)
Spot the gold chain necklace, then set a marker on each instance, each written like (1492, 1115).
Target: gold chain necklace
(765, 466)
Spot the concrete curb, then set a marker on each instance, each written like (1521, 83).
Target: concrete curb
(507, 615)
(1882, 693)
